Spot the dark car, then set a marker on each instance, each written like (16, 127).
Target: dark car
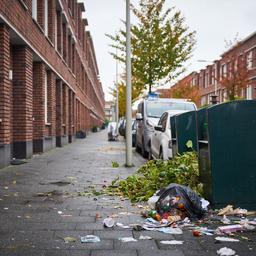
(134, 128)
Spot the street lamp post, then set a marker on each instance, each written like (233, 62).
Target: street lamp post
(117, 113)
(128, 88)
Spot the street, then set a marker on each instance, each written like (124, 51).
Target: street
(46, 200)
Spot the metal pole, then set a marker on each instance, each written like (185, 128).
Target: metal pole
(117, 114)
(128, 88)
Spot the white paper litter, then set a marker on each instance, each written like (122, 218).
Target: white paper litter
(90, 239)
(169, 230)
(204, 203)
(225, 220)
(121, 225)
(172, 242)
(226, 252)
(226, 239)
(145, 237)
(127, 239)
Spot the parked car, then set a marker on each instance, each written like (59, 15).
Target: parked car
(148, 115)
(161, 141)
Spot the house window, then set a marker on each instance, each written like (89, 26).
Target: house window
(45, 99)
(249, 59)
(34, 9)
(46, 17)
(56, 32)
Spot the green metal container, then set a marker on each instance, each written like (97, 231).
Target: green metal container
(227, 153)
(186, 130)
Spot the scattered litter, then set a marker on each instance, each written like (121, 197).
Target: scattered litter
(196, 233)
(14, 182)
(108, 222)
(6, 208)
(152, 201)
(118, 207)
(125, 213)
(204, 204)
(60, 212)
(229, 228)
(179, 200)
(127, 239)
(226, 252)
(229, 210)
(121, 225)
(169, 230)
(145, 237)
(90, 239)
(172, 242)
(6, 188)
(225, 220)
(69, 239)
(226, 239)
(28, 217)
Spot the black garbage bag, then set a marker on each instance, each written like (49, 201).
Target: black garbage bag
(177, 198)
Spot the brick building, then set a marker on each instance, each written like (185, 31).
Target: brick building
(209, 79)
(49, 79)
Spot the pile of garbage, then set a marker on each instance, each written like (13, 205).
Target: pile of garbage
(157, 174)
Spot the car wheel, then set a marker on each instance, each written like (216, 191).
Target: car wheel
(150, 154)
(143, 151)
(137, 148)
(161, 156)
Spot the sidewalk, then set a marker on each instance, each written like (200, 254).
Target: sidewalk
(40, 206)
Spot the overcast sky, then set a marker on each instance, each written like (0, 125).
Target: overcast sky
(213, 20)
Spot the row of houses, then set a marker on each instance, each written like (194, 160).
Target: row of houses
(49, 78)
(237, 65)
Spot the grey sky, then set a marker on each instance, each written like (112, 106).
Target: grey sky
(214, 21)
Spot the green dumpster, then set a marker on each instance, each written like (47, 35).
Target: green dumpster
(227, 153)
(186, 130)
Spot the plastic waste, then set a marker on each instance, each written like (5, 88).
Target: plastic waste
(226, 252)
(145, 237)
(225, 220)
(172, 242)
(121, 225)
(90, 239)
(108, 222)
(152, 201)
(127, 239)
(229, 228)
(180, 200)
(169, 230)
(226, 239)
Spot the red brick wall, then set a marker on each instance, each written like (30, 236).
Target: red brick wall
(51, 78)
(22, 94)
(59, 108)
(39, 73)
(5, 86)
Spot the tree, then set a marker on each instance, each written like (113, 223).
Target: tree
(122, 96)
(235, 73)
(161, 43)
(184, 90)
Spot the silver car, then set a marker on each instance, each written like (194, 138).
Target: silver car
(148, 114)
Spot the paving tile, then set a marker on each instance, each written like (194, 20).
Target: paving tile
(114, 253)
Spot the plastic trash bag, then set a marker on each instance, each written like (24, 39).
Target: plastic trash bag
(177, 199)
